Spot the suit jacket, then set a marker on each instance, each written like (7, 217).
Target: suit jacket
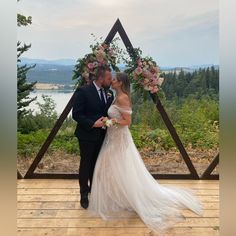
(87, 108)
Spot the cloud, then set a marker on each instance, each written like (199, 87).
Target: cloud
(62, 28)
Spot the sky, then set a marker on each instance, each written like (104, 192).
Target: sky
(173, 32)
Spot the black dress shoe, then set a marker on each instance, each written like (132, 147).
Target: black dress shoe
(84, 202)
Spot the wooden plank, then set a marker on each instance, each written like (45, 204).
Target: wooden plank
(77, 181)
(76, 205)
(71, 191)
(210, 231)
(84, 214)
(97, 222)
(76, 185)
(31, 183)
(65, 197)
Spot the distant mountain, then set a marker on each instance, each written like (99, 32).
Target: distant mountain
(54, 74)
(61, 71)
(65, 62)
(69, 61)
(187, 69)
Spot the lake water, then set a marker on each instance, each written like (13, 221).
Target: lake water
(60, 97)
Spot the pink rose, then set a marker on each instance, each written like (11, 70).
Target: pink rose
(146, 81)
(154, 81)
(90, 65)
(139, 62)
(105, 46)
(145, 73)
(155, 89)
(149, 75)
(156, 69)
(135, 77)
(138, 70)
(100, 58)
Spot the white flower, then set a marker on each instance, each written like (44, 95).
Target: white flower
(109, 94)
(148, 88)
(95, 64)
(109, 123)
(160, 81)
(150, 63)
(85, 75)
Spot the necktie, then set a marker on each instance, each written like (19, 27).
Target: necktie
(102, 97)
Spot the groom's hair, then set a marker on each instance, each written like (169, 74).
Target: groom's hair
(101, 71)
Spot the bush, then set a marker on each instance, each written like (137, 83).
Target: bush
(29, 144)
(43, 119)
(196, 122)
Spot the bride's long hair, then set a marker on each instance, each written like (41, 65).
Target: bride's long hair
(125, 87)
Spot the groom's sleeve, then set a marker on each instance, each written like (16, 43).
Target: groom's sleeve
(78, 110)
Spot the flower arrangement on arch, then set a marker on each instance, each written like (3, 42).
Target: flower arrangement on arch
(144, 73)
(102, 55)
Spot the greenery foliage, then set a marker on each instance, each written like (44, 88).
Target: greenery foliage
(195, 116)
(23, 87)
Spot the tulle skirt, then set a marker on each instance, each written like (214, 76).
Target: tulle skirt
(122, 187)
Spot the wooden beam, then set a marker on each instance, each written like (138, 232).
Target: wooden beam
(117, 27)
(54, 176)
(50, 138)
(19, 175)
(210, 168)
(175, 136)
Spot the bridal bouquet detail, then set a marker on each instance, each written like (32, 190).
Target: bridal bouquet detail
(109, 122)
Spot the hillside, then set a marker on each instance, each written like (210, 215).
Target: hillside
(61, 71)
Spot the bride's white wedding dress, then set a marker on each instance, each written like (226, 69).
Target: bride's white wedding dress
(123, 187)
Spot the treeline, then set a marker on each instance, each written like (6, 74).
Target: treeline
(190, 100)
(196, 84)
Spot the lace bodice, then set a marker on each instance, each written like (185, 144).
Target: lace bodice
(119, 132)
(115, 111)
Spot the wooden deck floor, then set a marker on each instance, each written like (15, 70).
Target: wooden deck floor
(51, 207)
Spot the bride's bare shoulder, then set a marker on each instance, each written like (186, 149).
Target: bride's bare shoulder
(123, 100)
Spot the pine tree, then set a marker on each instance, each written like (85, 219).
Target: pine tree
(23, 87)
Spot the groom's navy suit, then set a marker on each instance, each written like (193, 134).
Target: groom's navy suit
(87, 109)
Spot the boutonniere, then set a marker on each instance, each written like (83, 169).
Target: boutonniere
(109, 94)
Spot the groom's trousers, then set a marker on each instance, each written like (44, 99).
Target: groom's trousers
(88, 156)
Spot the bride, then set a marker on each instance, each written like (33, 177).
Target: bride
(122, 186)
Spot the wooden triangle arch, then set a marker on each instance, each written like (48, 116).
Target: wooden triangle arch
(117, 27)
(207, 173)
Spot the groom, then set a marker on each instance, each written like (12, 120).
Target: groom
(90, 106)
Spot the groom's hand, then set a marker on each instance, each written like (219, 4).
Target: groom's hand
(98, 123)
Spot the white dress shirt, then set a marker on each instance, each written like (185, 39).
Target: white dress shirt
(103, 92)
